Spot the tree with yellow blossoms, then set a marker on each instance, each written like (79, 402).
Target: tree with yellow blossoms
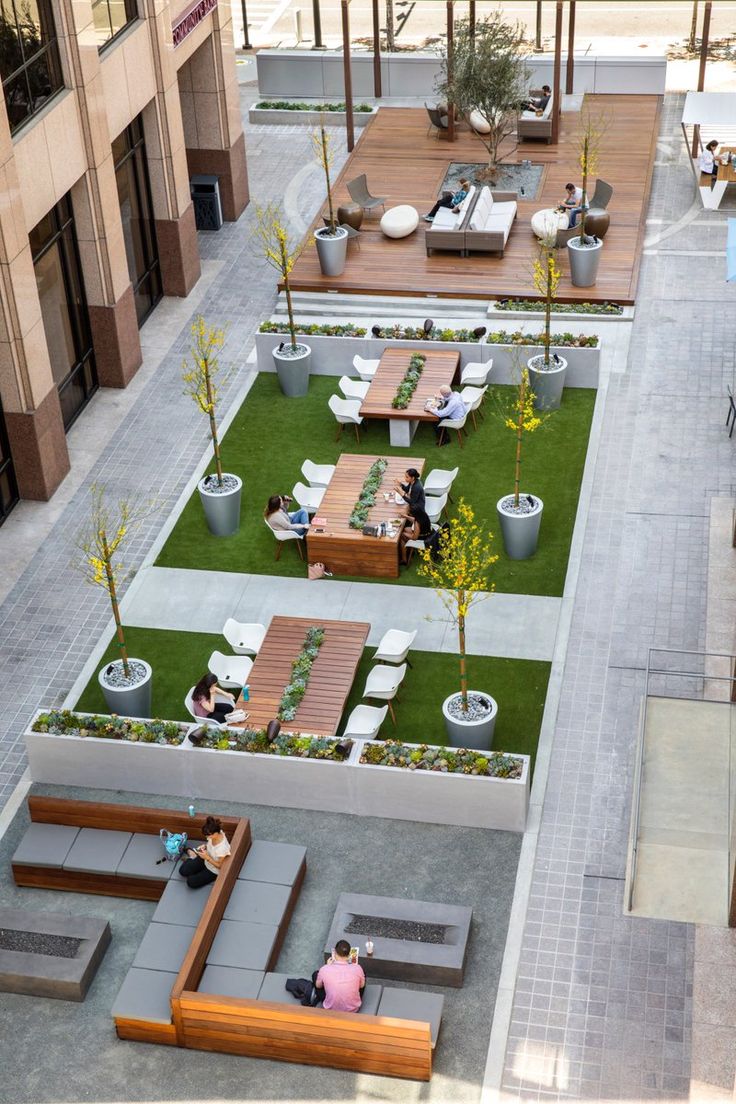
(279, 251)
(203, 377)
(460, 575)
(521, 418)
(546, 276)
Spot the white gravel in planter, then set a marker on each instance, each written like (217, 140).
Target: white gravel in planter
(537, 363)
(290, 351)
(524, 507)
(229, 483)
(115, 674)
(479, 707)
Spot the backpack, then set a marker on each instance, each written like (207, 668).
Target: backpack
(174, 843)
(434, 543)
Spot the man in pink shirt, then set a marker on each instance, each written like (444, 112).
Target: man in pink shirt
(342, 981)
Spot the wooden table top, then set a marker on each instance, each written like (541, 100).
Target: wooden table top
(440, 367)
(344, 489)
(330, 680)
(727, 172)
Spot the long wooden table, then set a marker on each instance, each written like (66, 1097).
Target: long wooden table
(441, 367)
(712, 192)
(330, 680)
(347, 551)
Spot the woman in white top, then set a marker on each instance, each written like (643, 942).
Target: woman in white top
(203, 865)
(707, 160)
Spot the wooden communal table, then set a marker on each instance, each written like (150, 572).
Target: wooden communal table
(330, 680)
(347, 551)
(712, 192)
(439, 367)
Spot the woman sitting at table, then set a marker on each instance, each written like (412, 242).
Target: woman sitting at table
(412, 491)
(278, 517)
(417, 527)
(707, 161)
(204, 703)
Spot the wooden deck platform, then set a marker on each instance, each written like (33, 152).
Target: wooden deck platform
(406, 166)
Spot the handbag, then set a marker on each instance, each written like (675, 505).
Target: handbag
(316, 571)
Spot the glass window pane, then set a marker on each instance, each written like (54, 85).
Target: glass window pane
(101, 17)
(118, 15)
(55, 311)
(11, 54)
(17, 100)
(40, 80)
(29, 58)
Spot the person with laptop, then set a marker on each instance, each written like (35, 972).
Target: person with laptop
(341, 981)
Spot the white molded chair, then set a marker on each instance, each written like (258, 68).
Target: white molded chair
(308, 497)
(453, 423)
(285, 535)
(317, 475)
(347, 412)
(245, 638)
(394, 646)
(439, 482)
(364, 722)
(420, 546)
(473, 398)
(383, 684)
(189, 706)
(434, 507)
(476, 374)
(353, 389)
(366, 369)
(230, 670)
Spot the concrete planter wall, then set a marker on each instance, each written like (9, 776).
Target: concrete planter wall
(106, 764)
(268, 116)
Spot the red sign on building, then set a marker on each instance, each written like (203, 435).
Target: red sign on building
(191, 18)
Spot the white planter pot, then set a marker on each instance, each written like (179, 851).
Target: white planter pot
(128, 701)
(475, 734)
(221, 508)
(293, 371)
(584, 262)
(331, 250)
(547, 383)
(520, 532)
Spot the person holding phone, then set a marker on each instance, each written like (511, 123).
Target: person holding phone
(341, 980)
(203, 865)
(278, 517)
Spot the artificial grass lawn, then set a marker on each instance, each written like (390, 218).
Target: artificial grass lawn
(179, 659)
(271, 436)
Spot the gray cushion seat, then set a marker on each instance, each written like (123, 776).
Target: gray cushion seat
(141, 856)
(413, 1004)
(179, 904)
(274, 989)
(45, 845)
(163, 947)
(224, 981)
(97, 851)
(243, 945)
(278, 863)
(144, 995)
(258, 902)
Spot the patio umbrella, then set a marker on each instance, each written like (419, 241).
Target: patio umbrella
(731, 251)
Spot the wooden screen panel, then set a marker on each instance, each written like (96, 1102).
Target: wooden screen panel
(440, 367)
(76, 881)
(142, 1031)
(121, 818)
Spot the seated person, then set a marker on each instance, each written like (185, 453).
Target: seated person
(341, 980)
(203, 699)
(707, 160)
(278, 517)
(446, 404)
(572, 203)
(417, 527)
(203, 865)
(412, 491)
(450, 199)
(538, 103)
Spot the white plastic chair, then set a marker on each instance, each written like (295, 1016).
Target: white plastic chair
(453, 423)
(285, 535)
(383, 683)
(308, 497)
(434, 507)
(229, 670)
(364, 722)
(418, 545)
(473, 398)
(476, 374)
(439, 482)
(366, 369)
(353, 389)
(189, 706)
(347, 412)
(317, 475)
(394, 646)
(245, 638)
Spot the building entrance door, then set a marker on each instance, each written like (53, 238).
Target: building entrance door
(8, 483)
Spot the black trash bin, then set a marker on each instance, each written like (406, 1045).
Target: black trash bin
(205, 192)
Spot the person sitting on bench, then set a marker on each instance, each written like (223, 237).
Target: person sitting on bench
(450, 199)
(343, 981)
(538, 103)
(203, 865)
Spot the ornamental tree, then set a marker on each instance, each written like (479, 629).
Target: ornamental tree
(322, 146)
(203, 378)
(590, 136)
(546, 276)
(521, 418)
(279, 250)
(460, 575)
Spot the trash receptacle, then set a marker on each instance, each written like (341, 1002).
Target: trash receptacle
(205, 192)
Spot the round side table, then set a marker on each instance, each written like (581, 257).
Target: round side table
(351, 214)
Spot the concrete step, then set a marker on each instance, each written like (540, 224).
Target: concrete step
(308, 303)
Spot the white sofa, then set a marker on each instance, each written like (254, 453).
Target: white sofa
(490, 222)
(448, 229)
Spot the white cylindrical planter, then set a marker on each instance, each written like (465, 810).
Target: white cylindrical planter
(584, 261)
(221, 505)
(131, 699)
(520, 529)
(331, 249)
(476, 733)
(547, 383)
(292, 368)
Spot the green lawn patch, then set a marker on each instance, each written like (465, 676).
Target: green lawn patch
(271, 436)
(179, 659)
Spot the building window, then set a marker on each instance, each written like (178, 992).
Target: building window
(111, 17)
(29, 58)
(136, 212)
(8, 484)
(64, 309)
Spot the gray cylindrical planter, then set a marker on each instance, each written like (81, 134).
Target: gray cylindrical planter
(332, 250)
(547, 384)
(471, 734)
(520, 532)
(584, 261)
(127, 701)
(221, 505)
(293, 371)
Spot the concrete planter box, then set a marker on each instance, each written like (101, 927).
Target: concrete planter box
(106, 764)
(559, 320)
(267, 116)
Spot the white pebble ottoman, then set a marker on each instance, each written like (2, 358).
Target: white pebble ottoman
(399, 222)
(479, 123)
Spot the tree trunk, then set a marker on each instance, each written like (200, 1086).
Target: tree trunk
(115, 607)
(289, 310)
(463, 671)
(390, 37)
(519, 435)
(213, 424)
(547, 313)
(586, 143)
(326, 166)
(693, 28)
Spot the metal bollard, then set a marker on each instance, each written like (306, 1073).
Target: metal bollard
(298, 24)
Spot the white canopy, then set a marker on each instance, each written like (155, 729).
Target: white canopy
(710, 109)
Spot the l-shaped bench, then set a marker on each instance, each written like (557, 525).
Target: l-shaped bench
(202, 977)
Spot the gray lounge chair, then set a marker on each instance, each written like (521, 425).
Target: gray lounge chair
(358, 189)
(436, 120)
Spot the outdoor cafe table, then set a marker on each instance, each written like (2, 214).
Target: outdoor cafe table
(346, 551)
(440, 367)
(330, 679)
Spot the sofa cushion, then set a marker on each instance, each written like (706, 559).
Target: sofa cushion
(45, 845)
(273, 862)
(259, 902)
(225, 981)
(144, 995)
(371, 999)
(97, 851)
(273, 988)
(506, 208)
(243, 945)
(163, 947)
(413, 1004)
(181, 905)
(141, 858)
(483, 209)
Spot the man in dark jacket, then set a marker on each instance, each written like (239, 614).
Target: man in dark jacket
(412, 491)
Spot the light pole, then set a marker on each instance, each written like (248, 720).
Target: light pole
(246, 40)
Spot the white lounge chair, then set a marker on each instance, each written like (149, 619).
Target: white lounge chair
(245, 638)
(476, 374)
(434, 507)
(439, 482)
(364, 722)
(317, 475)
(453, 423)
(473, 398)
(383, 683)
(366, 369)
(347, 412)
(285, 535)
(230, 670)
(308, 497)
(394, 646)
(353, 389)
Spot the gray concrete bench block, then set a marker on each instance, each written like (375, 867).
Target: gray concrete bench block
(224, 981)
(273, 988)
(245, 946)
(179, 904)
(163, 947)
(45, 845)
(411, 1004)
(258, 902)
(141, 859)
(144, 995)
(279, 863)
(97, 851)
(371, 999)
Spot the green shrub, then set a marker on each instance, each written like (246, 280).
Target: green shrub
(314, 329)
(559, 308)
(255, 741)
(292, 105)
